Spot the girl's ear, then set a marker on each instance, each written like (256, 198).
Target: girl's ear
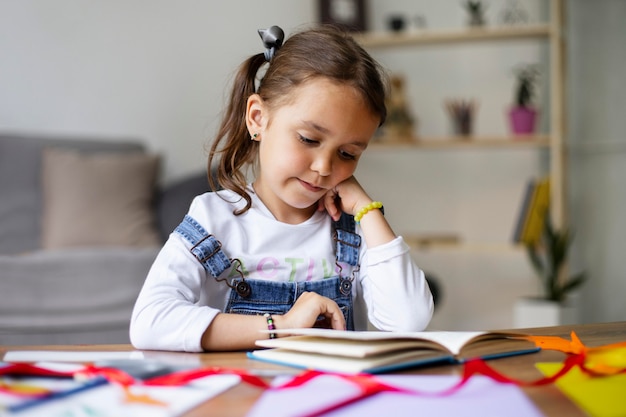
(256, 114)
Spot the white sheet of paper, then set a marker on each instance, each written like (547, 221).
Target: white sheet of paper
(67, 356)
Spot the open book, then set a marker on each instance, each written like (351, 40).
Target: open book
(376, 352)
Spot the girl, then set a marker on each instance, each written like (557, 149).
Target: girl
(301, 245)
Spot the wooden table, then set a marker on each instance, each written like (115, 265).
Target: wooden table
(238, 400)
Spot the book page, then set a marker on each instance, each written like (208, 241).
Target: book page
(347, 347)
(328, 363)
(494, 346)
(450, 341)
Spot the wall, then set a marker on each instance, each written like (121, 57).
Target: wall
(157, 71)
(597, 134)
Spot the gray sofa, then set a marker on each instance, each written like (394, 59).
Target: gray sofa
(56, 285)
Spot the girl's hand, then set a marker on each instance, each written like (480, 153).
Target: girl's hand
(306, 310)
(348, 196)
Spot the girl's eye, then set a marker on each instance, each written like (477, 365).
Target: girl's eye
(312, 142)
(346, 155)
(306, 140)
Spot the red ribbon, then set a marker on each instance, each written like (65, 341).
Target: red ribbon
(368, 384)
(576, 351)
(33, 370)
(184, 377)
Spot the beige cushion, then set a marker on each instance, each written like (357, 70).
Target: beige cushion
(98, 199)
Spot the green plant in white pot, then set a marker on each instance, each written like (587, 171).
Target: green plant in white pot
(548, 258)
(523, 114)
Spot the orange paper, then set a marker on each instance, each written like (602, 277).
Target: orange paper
(601, 360)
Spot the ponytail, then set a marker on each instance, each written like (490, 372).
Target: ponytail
(232, 143)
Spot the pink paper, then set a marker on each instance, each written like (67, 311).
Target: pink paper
(481, 396)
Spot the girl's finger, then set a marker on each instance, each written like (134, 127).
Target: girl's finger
(331, 205)
(337, 319)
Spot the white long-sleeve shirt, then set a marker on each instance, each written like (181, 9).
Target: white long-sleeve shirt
(179, 298)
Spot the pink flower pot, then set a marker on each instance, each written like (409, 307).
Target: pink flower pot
(522, 120)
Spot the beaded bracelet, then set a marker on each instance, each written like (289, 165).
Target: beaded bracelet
(270, 325)
(371, 206)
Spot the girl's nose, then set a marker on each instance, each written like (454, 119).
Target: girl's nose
(322, 164)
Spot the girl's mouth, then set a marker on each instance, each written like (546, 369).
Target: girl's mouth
(311, 187)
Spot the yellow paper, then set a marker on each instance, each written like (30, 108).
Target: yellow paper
(597, 396)
(606, 360)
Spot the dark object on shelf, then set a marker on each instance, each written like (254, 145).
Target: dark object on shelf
(396, 23)
(346, 14)
(476, 12)
(514, 14)
(462, 113)
(420, 22)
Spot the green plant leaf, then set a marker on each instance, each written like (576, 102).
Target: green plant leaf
(560, 246)
(574, 282)
(549, 258)
(535, 259)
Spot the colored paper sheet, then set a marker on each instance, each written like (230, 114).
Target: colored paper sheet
(481, 396)
(110, 400)
(597, 396)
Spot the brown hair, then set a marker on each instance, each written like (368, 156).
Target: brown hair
(324, 52)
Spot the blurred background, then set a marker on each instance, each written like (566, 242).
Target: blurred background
(159, 71)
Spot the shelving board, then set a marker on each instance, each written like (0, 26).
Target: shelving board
(450, 142)
(385, 39)
(453, 243)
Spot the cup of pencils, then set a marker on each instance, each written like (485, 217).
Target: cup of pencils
(462, 113)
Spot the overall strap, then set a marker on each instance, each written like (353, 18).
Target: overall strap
(348, 242)
(206, 248)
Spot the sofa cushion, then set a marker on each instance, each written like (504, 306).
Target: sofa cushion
(19, 191)
(98, 199)
(71, 295)
(20, 183)
(175, 199)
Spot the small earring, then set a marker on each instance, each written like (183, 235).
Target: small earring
(254, 136)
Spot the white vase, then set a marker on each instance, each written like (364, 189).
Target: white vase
(537, 312)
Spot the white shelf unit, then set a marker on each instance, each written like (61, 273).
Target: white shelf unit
(553, 141)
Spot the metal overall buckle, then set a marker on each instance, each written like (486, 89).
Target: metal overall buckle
(345, 284)
(242, 288)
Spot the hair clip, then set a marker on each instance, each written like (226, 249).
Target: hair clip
(272, 40)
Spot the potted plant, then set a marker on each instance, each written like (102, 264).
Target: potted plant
(523, 114)
(476, 12)
(548, 258)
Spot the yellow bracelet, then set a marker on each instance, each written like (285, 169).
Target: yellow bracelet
(371, 206)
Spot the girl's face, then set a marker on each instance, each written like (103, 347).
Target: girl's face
(308, 145)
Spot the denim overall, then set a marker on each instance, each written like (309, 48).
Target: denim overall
(254, 296)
